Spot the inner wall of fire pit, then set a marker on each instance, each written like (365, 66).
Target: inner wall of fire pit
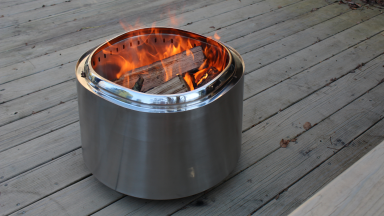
(162, 61)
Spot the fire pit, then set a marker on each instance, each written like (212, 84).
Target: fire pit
(160, 112)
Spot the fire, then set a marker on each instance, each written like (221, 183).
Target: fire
(135, 53)
(216, 36)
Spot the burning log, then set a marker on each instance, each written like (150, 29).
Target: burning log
(173, 86)
(208, 76)
(159, 72)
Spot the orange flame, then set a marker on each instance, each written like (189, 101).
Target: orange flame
(120, 61)
(216, 36)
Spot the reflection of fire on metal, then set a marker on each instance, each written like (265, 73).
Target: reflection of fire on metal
(170, 62)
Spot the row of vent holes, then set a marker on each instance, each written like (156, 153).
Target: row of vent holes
(138, 43)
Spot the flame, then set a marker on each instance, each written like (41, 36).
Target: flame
(120, 61)
(216, 36)
(189, 80)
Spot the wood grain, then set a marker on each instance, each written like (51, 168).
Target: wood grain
(357, 191)
(326, 172)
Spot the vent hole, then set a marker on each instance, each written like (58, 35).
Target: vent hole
(171, 40)
(138, 42)
(93, 62)
(123, 46)
(105, 56)
(146, 41)
(117, 49)
(111, 52)
(130, 43)
(155, 40)
(164, 40)
(194, 45)
(99, 59)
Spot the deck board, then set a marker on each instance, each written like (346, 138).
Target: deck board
(291, 51)
(357, 191)
(312, 182)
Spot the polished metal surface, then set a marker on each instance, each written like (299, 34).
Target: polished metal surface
(161, 150)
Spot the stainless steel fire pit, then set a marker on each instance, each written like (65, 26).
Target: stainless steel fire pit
(159, 146)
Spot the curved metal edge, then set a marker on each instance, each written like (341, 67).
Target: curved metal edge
(168, 103)
(100, 84)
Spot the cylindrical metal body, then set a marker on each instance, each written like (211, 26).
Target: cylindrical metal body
(161, 153)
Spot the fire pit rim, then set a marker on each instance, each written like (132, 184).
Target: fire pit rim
(101, 85)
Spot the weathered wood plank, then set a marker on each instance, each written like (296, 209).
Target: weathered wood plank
(253, 11)
(262, 140)
(38, 151)
(36, 102)
(43, 9)
(67, 202)
(249, 189)
(251, 25)
(357, 191)
(301, 40)
(48, 43)
(289, 27)
(10, 3)
(301, 60)
(42, 181)
(38, 124)
(45, 79)
(45, 62)
(300, 85)
(314, 108)
(326, 172)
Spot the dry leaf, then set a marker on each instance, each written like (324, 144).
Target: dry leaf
(284, 143)
(307, 125)
(279, 7)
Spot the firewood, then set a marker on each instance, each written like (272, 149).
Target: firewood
(158, 72)
(173, 86)
(210, 74)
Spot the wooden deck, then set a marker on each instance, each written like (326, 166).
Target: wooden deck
(357, 191)
(306, 61)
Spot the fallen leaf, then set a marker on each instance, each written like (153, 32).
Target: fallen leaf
(307, 125)
(279, 7)
(333, 79)
(293, 140)
(212, 27)
(33, 47)
(284, 143)
(277, 197)
(1, 16)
